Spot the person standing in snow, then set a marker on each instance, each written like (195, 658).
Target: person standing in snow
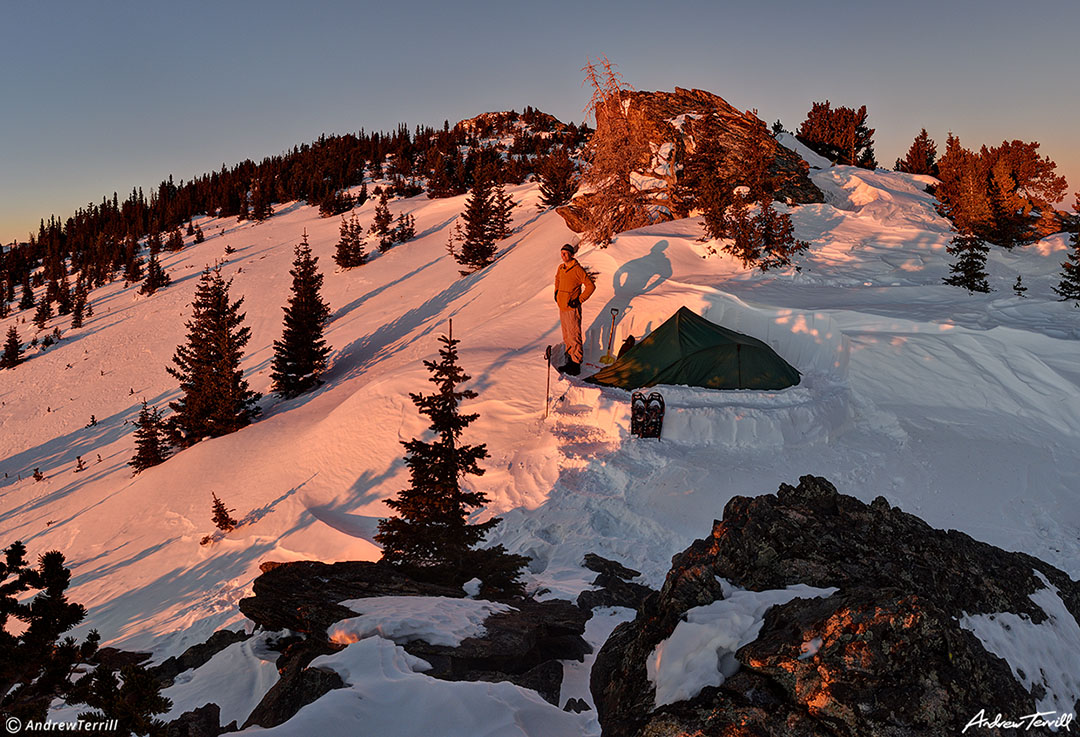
(572, 287)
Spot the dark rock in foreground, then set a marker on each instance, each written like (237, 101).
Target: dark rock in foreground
(614, 587)
(523, 646)
(893, 659)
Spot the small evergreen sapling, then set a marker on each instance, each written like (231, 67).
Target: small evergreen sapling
(969, 268)
(1069, 285)
(222, 519)
(1018, 287)
(431, 537)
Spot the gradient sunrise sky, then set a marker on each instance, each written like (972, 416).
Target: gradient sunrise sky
(103, 97)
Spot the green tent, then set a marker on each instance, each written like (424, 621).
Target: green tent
(690, 350)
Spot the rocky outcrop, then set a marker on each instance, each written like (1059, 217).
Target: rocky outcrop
(196, 655)
(614, 585)
(297, 685)
(885, 655)
(303, 596)
(674, 124)
(523, 646)
(202, 722)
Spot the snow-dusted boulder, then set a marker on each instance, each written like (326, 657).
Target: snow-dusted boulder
(812, 613)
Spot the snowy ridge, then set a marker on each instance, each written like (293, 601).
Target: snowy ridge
(963, 409)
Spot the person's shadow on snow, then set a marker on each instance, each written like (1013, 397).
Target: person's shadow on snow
(632, 279)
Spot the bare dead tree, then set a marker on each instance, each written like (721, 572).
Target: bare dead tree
(612, 203)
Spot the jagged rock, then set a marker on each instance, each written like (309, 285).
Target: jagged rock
(673, 123)
(296, 688)
(597, 564)
(196, 655)
(297, 685)
(615, 588)
(113, 658)
(202, 722)
(893, 659)
(522, 646)
(304, 596)
(576, 706)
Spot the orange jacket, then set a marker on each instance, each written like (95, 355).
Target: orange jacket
(571, 282)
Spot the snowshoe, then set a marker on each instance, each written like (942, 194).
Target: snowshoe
(638, 408)
(654, 416)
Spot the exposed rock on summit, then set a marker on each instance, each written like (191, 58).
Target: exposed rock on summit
(887, 654)
(674, 125)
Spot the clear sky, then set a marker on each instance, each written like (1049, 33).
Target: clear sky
(97, 97)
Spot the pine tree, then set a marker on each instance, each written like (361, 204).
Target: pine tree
(1069, 285)
(63, 296)
(969, 268)
(151, 447)
(156, 277)
(502, 205)
(133, 268)
(1018, 287)
(199, 237)
(300, 356)
(778, 242)
(174, 241)
(222, 519)
(557, 178)
(404, 228)
(431, 535)
(27, 300)
(260, 201)
(37, 667)
(153, 242)
(921, 157)
(839, 134)
(216, 400)
(43, 312)
(381, 225)
(350, 252)
(478, 244)
(12, 349)
(78, 309)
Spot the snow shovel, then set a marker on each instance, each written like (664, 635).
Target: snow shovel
(607, 357)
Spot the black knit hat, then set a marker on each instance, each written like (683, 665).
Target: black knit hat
(568, 247)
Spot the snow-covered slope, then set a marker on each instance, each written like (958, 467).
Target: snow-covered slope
(963, 409)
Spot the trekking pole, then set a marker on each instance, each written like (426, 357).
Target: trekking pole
(607, 357)
(547, 396)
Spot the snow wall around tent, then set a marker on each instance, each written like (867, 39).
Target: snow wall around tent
(816, 411)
